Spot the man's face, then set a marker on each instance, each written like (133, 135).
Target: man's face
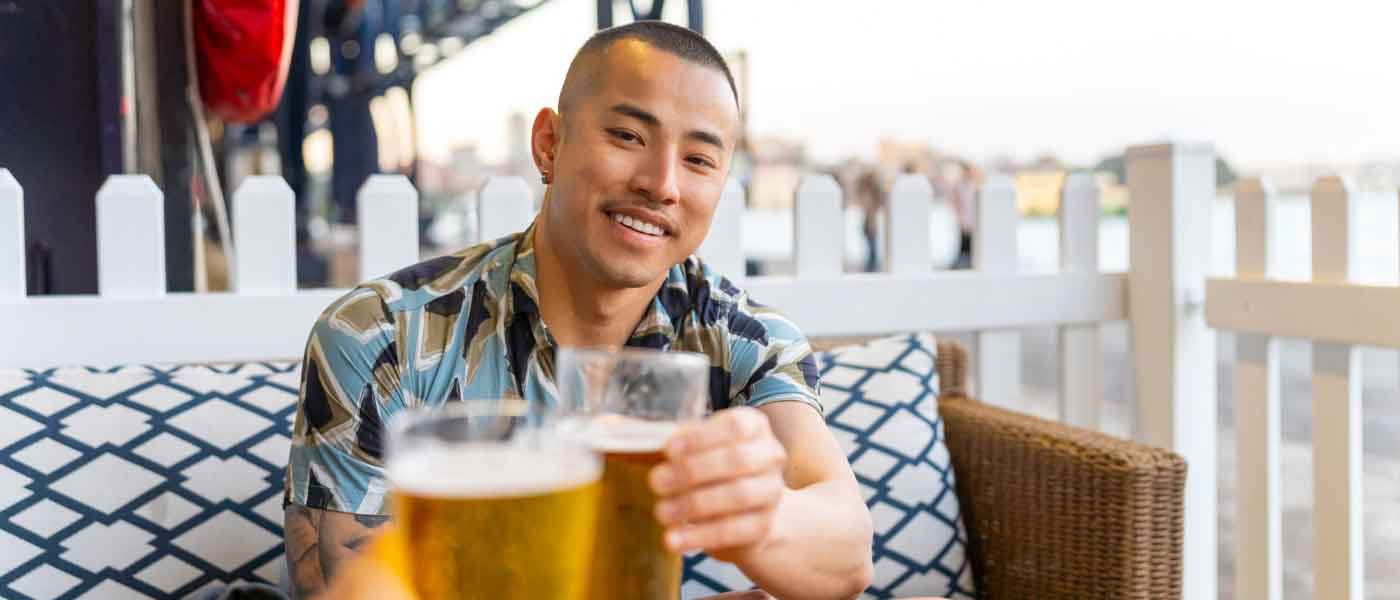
(640, 165)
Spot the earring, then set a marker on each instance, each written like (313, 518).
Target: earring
(544, 177)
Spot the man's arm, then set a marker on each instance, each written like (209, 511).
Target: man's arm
(769, 490)
(334, 463)
(320, 541)
(819, 545)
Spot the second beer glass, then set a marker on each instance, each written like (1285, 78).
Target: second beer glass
(630, 402)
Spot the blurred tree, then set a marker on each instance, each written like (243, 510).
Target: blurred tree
(1224, 173)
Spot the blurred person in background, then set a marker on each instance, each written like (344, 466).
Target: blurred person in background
(869, 195)
(963, 195)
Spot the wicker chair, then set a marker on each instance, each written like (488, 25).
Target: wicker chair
(1055, 511)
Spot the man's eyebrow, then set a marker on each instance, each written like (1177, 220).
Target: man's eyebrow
(706, 137)
(642, 115)
(636, 113)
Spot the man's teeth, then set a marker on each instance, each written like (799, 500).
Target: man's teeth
(637, 225)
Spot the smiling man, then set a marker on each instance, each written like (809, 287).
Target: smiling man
(635, 161)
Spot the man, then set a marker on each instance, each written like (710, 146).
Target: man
(634, 161)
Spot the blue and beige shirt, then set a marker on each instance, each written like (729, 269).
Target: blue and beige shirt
(467, 325)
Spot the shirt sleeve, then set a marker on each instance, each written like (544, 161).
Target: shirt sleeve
(350, 386)
(770, 359)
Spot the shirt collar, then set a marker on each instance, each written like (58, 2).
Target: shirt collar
(658, 327)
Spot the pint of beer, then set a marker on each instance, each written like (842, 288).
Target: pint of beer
(492, 507)
(630, 403)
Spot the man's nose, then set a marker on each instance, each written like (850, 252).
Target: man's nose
(657, 178)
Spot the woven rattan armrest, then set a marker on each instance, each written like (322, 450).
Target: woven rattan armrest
(1055, 511)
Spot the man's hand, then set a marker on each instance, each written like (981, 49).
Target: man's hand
(721, 484)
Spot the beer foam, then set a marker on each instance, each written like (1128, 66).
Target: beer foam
(491, 471)
(620, 434)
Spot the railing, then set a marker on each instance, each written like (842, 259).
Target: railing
(1337, 315)
(134, 319)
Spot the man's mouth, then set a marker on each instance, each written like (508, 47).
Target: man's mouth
(638, 225)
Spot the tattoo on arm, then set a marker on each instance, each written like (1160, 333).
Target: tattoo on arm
(318, 541)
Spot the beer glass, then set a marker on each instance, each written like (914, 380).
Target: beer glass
(626, 404)
(492, 502)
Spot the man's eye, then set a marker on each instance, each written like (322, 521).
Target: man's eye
(623, 135)
(700, 161)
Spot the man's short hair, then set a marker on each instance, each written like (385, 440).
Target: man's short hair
(672, 39)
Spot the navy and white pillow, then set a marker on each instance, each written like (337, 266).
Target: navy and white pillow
(142, 481)
(881, 403)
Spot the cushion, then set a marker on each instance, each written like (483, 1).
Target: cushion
(157, 481)
(142, 481)
(881, 403)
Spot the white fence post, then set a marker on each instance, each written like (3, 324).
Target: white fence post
(1336, 389)
(264, 236)
(130, 237)
(504, 207)
(907, 249)
(998, 362)
(820, 227)
(723, 248)
(1259, 552)
(11, 237)
(1172, 189)
(1081, 361)
(388, 219)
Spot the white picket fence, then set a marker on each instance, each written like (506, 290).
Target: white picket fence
(1164, 296)
(1338, 316)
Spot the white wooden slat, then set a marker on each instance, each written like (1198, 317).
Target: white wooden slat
(1081, 359)
(12, 283)
(723, 248)
(470, 205)
(1172, 191)
(868, 304)
(264, 236)
(907, 226)
(388, 220)
(1336, 383)
(998, 353)
(820, 227)
(130, 237)
(177, 327)
(1357, 314)
(505, 206)
(1259, 553)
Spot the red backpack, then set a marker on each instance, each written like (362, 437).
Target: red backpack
(242, 50)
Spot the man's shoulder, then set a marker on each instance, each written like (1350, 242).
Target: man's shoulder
(721, 302)
(443, 280)
(768, 357)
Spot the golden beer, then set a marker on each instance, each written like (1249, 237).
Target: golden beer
(630, 402)
(497, 522)
(630, 559)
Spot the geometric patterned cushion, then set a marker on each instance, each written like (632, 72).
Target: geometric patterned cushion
(157, 481)
(142, 481)
(881, 402)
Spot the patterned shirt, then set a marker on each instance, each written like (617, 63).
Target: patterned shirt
(467, 325)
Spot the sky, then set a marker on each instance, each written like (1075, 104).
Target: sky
(1269, 83)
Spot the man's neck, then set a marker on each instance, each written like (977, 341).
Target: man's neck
(578, 311)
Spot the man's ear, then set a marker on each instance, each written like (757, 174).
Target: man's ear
(544, 140)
